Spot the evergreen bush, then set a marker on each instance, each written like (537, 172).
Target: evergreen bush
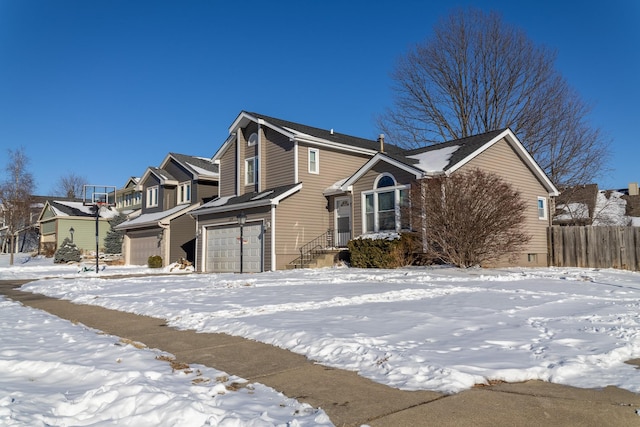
(68, 252)
(154, 261)
(385, 251)
(113, 239)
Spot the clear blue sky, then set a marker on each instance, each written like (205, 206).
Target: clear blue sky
(107, 88)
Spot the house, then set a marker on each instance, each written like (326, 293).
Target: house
(27, 234)
(129, 197)
(576, 205)
(168, 193)
(584, 205)
(286, 188)
(60, 219)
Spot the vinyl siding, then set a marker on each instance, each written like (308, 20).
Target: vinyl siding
(182, 244)
(203, 191)
(228, 171)
(278, 157)
(307, 214)
(504, 161)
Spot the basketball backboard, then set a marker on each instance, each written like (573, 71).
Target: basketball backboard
(99, 195)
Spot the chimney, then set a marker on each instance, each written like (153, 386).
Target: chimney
(381, 141)
(633, 188)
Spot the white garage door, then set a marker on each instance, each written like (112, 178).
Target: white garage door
(223, 249)
(142, 246)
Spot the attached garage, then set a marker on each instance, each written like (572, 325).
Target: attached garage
(143, 244)
(223, 250)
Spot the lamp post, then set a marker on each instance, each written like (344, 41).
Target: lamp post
(71, 231)
(242, 219)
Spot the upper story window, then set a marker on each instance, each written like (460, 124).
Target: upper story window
(542, 208)
(253, 139)
(184, 192)
(250, 170)
(382, 205)
(152, 197)
(314, 160)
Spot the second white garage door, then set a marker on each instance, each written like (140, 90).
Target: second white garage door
(223, 249)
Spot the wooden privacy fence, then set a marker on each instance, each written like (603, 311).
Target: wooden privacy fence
(595, 247)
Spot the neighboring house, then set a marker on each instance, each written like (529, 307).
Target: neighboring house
(584, 205)
(294, 185)
(169, 192)
(576, 205)
(60, 219)
(129, 197)
(27, 237)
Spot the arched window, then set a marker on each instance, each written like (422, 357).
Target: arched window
(385, 180)
(382, 205)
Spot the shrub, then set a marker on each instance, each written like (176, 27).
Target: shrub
(154, 261)
(383, 251)
(68, 252)
(470, 219)
(113, 239)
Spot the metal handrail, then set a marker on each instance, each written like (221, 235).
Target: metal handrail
(310, 250)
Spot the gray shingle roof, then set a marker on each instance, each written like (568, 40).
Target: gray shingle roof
(337, 137)
(199, 162)
(466, 146)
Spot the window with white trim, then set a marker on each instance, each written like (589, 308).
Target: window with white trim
(250, 170)
(382, 205)
(152, 197)
(542, 208)
(253, 139)
(184, 192)
(314, 160)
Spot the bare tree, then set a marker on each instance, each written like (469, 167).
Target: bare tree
(16, 196)
(70, 186)
(479, 74)
(469, 218)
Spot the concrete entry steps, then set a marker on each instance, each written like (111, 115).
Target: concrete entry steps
(348, 399)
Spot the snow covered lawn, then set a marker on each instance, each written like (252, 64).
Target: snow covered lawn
(440, 329)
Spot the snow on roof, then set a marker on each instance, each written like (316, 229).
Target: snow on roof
(610, 210)
(151, 217)
(74, 205)
(202, 171)
(572, 211)
(335, 186)
(262, 195)
(434, 160)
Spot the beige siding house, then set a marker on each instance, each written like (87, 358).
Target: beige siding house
(169, 192)
(287, 188)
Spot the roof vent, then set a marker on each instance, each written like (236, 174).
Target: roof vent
(331, 131)
(381, 141)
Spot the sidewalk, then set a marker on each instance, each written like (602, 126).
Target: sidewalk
(348, 399)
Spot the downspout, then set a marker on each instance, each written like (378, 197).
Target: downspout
(295, 160)
(273, 238)
(238, 163)
(166, 240)
(259, 157)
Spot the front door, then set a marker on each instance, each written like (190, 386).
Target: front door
(343, 221)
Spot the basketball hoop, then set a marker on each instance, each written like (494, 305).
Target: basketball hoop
(98, 196)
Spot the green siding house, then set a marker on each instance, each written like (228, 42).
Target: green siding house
(70, 219)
